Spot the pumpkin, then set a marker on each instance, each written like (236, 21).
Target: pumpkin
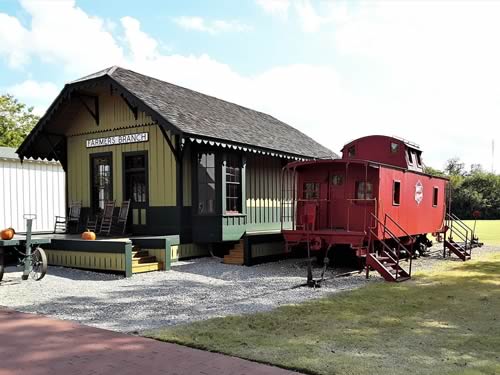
(7, 234)
(88, 235)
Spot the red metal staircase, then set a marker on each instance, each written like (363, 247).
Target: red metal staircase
(383, 258)
(459, 238)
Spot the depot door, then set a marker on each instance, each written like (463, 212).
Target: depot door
(136, 188)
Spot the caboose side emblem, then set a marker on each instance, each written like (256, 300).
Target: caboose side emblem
(419, 192)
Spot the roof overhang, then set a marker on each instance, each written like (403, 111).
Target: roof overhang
(245, 148)
(41, 143)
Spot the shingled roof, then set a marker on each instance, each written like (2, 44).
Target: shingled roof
(206, 116)
(197, 115)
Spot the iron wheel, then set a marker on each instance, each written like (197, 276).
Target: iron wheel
(38, 264)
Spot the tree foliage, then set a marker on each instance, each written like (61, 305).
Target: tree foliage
(471, 190)
(16, 121)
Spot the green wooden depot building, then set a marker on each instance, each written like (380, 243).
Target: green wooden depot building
(199, 170)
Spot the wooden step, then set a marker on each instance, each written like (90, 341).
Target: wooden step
(233, 261)
(146, 259)
(147, 267)
(140, 254)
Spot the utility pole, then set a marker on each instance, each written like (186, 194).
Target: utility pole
(493, 155)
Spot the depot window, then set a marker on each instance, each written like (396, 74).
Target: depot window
(311, 190)
(233, 184)
(206, 183)
(435, 194)
(364, 190)
(396, 193)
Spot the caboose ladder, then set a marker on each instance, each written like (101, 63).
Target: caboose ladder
(386, 261)
(459, 238)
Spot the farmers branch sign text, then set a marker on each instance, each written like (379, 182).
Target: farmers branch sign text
(117, 140)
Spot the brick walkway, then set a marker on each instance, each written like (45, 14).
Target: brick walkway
(36, 345)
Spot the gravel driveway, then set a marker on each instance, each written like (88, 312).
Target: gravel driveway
(193, 290)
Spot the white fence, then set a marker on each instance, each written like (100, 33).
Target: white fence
(33, 187)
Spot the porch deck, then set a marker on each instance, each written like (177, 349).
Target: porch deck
(120, 254)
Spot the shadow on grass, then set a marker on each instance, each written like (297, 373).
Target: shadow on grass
(445, 322)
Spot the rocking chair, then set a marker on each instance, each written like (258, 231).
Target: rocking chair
(102, 221)
(62, 224)
(107, 218)
(120, 221)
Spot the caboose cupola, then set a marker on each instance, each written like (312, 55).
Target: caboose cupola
(386, 150)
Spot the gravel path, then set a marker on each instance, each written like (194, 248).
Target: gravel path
(192, 290)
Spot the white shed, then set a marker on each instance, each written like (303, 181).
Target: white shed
(32, 187)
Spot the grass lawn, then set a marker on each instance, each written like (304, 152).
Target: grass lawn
(487, 230)
(445, 321)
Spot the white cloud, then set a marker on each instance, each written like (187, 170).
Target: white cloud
(14, 41)
(30, 89)
(35, 93)
(60, 33)
(211, 27)
(424, 71)
(141, 45)
(275, 7)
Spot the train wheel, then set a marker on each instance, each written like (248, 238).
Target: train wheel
(38, 264)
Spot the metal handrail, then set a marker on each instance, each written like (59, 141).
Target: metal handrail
(400, 245)
(456, 218)
(400, 227)
(461, 224)
(461, 235)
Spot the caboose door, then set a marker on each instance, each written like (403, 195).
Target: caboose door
(337, 211)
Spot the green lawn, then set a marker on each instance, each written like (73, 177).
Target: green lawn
(445, 321)
(487, 230)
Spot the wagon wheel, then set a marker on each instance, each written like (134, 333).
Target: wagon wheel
(38, 264)
(1, 268)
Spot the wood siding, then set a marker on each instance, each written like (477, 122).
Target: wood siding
(87, 260)
(263, 192)
(33, 187)
(117, 119)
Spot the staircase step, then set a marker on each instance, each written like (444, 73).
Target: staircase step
(140, 254)
(235, 262)
(147, 267)
(146, 259)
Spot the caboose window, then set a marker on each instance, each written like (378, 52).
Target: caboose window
(337, 179)
(311, 190)
(351, 151)
(419, 161)
(410, 156)
(396, 193)
(394, 147)
(435, 196)
(364, 190)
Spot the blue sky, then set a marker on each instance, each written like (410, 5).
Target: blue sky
(337, 70)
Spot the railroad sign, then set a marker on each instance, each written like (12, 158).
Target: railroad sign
(419, 192)
(117, 140)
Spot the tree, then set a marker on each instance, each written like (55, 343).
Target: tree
(454, 167)
(16, 121)
(433, 171)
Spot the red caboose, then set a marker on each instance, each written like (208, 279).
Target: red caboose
(376, 195)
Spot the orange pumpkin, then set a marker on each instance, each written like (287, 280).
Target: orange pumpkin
(7, 234)
(88, 235)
